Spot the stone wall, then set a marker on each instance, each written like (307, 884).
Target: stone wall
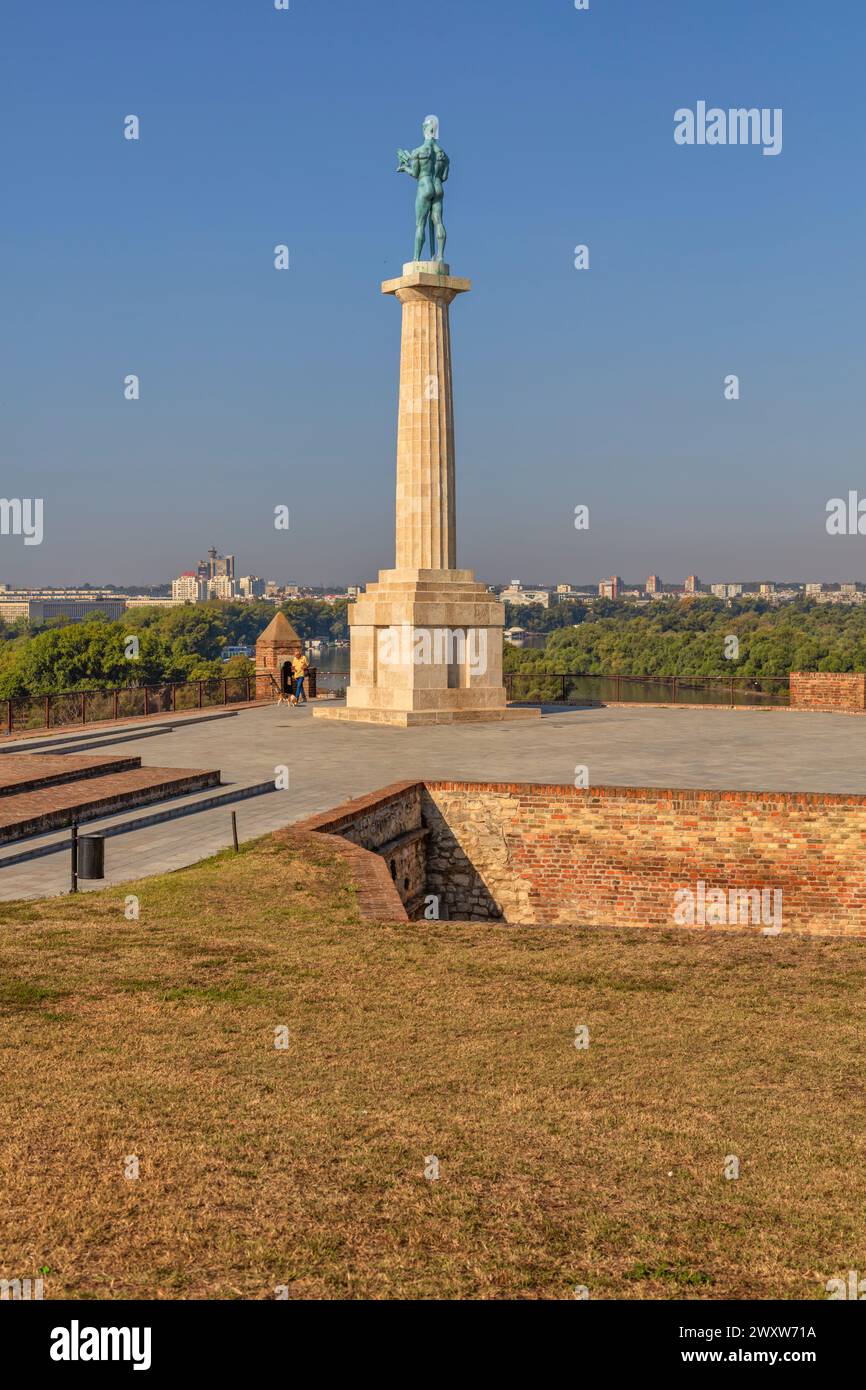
(611, 856)
(618, 856)
(828, 690)
(388, 823)
(469, 853)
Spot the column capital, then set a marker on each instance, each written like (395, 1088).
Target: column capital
(427, 276)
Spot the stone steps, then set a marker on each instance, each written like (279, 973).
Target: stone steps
(51, 807)
(26, 772)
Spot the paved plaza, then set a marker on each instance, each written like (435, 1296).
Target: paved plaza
(330, 762)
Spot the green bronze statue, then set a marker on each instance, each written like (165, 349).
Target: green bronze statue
(429, 164)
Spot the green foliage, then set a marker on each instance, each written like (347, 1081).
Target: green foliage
(677, 638)
(175, 644)
(537, 619)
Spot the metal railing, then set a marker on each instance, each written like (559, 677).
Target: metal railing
(333, 682)
(576, 688)
(71, 707)
(28, 712)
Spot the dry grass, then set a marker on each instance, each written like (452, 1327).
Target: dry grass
(305, 1167)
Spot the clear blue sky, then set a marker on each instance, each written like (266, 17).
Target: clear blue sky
(602, 387)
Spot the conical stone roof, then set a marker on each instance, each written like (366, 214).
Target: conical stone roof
(279, 632)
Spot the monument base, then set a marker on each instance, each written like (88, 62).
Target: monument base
(410, 719)
(426, 648)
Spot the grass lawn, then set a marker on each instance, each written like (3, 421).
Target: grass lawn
(304, 1166)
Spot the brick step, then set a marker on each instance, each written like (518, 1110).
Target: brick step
(28, 772)
(52, 808)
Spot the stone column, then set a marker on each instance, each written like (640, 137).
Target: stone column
(426, 638)
(426, 530)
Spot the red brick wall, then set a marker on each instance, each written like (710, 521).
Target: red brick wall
(617, 856)
(612, 856)
(828, 690)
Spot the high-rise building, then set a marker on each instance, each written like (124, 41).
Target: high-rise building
(250, 586)
(188, 587)
(654, 584)
(216, 565)
(693, 584)
(221, 586)
(610, 588)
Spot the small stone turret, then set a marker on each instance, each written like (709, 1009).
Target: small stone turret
(275, 648)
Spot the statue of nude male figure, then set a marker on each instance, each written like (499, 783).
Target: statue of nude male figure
(429, 164)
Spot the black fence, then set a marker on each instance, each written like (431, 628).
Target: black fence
(32, 712)
(133, 702)
(574, 688)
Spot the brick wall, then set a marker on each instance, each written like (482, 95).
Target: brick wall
(828, 690)
(617, 856)
(271, 657)
(607, 856)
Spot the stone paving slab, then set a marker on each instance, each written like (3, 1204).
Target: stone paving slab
(331, 762)
(26, 737)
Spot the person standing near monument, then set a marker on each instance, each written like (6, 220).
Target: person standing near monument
(300, 665)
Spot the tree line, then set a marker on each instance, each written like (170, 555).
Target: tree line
(691, 638)
(173, 644)
(671, 638)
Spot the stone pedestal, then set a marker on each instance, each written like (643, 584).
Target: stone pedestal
(426, 640)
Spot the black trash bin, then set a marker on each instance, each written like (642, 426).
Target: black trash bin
(91, 856)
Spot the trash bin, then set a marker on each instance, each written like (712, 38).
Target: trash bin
(91, 856)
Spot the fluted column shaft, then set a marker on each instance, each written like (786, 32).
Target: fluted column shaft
(426, 524)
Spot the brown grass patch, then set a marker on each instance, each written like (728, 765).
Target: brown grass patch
(305, 1167)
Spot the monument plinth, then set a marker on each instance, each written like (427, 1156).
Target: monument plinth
(426, 640)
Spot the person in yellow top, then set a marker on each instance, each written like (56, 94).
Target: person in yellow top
(300, 665)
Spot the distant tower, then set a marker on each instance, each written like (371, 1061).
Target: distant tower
(693, 584)
(609, 588)
(654, 584)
